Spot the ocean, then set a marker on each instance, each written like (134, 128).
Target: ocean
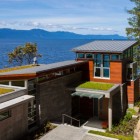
(51, 50)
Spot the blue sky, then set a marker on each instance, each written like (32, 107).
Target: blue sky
(79, 16)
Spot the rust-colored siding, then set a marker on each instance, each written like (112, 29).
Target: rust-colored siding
(115, 73)
(133, 91)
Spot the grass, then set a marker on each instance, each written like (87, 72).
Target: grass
(15, 68)
(5, 90)
(96, 85)
(120, 137)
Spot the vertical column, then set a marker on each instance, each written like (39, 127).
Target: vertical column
(110, 113)
(10, 83)
(26, 84)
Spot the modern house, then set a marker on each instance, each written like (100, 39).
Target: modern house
(57, 88)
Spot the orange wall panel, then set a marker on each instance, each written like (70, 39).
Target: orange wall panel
(115, 73)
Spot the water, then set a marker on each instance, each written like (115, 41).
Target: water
(51, 50)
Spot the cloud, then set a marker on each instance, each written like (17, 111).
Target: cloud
(56, 27)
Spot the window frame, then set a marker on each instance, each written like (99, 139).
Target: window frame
(101, 67)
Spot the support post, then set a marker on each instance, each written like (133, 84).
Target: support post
(10, 83)
(26, 84)
(110, 113)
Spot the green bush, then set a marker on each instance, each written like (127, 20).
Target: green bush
(127, 117)
(131, 110)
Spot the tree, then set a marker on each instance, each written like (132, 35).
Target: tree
(133, 31)
(23, 55)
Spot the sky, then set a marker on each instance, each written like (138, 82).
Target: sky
(78, 16)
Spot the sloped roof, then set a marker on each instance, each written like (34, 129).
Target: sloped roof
(105, 46)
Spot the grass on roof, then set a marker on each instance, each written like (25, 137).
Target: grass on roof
(16, 68)
(96, 85)
(5, 90)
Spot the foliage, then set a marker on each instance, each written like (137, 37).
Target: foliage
(96, 85)
(132, 111)
(120, 137)
(43, 130)
(126, 125)
(134, 21)
(137, 103)
(23, 54)
(133, 31)
(5, 90)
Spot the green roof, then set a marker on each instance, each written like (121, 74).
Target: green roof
(96, 85)
(5, 90)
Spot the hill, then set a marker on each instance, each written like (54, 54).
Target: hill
(39, 34)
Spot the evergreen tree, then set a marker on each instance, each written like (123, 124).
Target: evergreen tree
(134, 21)
(133, 31)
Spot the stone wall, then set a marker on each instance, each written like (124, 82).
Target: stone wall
(55, 98)
(16, 126)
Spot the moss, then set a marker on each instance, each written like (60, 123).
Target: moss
(16, 68)
(5, 90)
(120, 137)
(96, 85)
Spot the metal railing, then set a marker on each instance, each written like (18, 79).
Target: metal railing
(71, 119)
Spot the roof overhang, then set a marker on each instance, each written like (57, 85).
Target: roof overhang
(87, 94)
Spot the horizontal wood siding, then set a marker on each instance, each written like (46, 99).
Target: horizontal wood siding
(133, 91)
(115, 73)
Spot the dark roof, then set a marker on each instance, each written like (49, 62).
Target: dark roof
(105, 46)
(42, 68)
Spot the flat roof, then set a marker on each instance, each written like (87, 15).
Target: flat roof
(41, 68)
(113, 46)
(15, 101)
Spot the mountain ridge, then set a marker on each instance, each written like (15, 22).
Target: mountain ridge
(33, 34)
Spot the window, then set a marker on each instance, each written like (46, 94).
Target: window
(98, 72)
(89, 55)
(5, 115)
(80, 55)
(131, 71)
(18, 83)
(102, 65)
(115, 57)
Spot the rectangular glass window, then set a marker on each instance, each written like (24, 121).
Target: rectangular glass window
(106, 72)
(89, 55)
(106, 62)
(102, 65)
(115, 57)
(5, 115)
(97, 72)
(18, 83)
(97, 60)
(80, 55)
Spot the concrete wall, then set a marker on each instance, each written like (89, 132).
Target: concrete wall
(16, 126)
(55, 98)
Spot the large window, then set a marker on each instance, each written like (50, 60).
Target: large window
(102, 65)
